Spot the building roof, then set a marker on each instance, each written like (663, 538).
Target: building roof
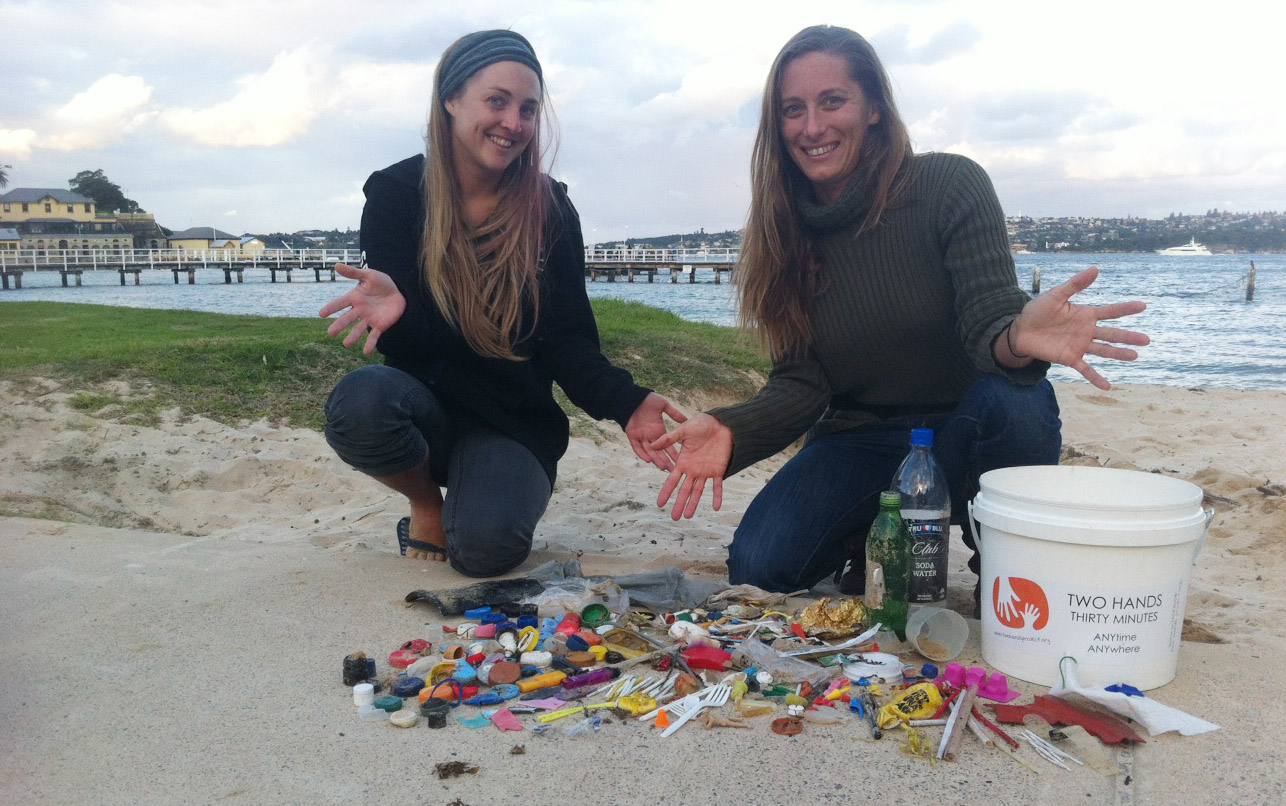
(201, 233)
(9, 234)
(29, 195)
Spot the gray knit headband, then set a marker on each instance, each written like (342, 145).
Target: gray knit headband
(481, 49)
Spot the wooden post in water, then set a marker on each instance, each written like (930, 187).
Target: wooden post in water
(1035, 281)
(1250, 283)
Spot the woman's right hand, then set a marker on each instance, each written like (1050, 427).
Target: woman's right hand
(706, 449)
(374, 305)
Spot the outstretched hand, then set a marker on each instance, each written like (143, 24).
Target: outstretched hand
(646, 426)
(1053, 328)
(706, 449)
(374, 305)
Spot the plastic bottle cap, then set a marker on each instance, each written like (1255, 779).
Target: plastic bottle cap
(363, 694)
(922, 437)
(405, 718)
(389, 704)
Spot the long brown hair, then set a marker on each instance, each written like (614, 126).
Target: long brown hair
(776, 274)
(484, 280)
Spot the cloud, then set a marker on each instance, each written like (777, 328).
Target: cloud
(391, 94)
(272, 108)
(17, 141)
(894, 44)
(110, 108)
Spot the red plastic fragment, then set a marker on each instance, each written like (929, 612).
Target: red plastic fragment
(1057, 711)
(798, 630)
(402, 658)
(707, 657)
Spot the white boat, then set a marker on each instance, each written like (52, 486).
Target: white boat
(1190, 248)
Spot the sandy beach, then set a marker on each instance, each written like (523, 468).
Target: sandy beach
(177, 599)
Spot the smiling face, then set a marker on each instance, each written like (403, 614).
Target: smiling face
(493, 120)
(825, 116)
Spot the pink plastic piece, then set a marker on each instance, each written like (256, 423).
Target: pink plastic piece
(505, 720)
(997, 688)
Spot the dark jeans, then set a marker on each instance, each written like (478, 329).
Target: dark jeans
(382, 421)
(797, 530)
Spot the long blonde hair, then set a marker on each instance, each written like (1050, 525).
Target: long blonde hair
(484, 280)
(776, 274)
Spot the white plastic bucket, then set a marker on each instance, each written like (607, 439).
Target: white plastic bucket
(1086, 562)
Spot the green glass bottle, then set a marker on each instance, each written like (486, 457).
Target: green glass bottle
(888, 566)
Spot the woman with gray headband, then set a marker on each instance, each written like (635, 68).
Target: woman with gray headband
(472, 287)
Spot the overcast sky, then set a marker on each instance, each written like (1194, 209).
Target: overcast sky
(268, 116)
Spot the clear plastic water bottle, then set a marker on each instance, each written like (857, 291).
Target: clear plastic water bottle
(926, 511)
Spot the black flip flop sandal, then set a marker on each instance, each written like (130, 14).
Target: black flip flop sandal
(404, 540)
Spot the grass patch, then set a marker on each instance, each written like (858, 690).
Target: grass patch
(233, 368)
(91, 401)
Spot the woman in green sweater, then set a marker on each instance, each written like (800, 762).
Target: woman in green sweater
(881, 281)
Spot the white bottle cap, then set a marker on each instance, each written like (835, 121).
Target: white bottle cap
(363, 694)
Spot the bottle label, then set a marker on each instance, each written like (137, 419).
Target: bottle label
(928, 559)
(874, 585)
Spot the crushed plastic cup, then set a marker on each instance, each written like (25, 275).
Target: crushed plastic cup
(936, 633)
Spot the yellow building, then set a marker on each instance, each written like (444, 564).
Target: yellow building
(208, 238)
(46, 204)
(199, 238)
(49, 219)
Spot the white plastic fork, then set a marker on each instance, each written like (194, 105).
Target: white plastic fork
(712, 697)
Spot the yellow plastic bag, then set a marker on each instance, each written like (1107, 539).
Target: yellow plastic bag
(920, 701)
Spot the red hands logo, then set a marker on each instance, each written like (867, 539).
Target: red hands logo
(1019, 602)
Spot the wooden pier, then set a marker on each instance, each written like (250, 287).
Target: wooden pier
(129, 264)
(71, 264)
(630, 263)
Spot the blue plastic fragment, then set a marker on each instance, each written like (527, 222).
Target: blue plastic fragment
(929, 671)
(477, 613)
(404, 685)
(1129, 691)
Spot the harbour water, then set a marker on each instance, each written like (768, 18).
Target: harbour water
(1204, 332)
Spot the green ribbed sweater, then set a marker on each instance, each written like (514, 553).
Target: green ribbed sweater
(905, 316)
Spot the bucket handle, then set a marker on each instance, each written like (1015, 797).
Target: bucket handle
(1205, 532)
(977, 541)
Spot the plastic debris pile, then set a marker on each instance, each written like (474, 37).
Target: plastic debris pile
(574, 660)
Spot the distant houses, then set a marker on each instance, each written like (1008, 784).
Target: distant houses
(49, 219)
(206, 238)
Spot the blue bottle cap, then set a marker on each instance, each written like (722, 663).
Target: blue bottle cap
(921, 437)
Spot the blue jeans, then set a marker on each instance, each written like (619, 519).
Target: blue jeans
(820, 505)
(382, 421)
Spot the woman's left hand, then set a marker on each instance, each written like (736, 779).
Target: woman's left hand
(646, 426)
(1053, 328)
